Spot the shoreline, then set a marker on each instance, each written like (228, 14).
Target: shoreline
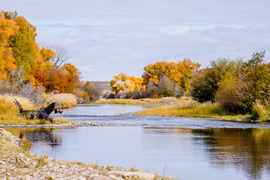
(77, 123)
(208, 118)
(16, 162)
(71, 124)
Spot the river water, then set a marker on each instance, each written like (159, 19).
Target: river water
(182, 148)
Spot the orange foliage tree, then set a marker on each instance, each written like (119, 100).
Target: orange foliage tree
(62, 79)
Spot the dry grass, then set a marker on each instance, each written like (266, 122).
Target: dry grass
(191, 108)
(64, 99)
(9, 112)
(144, 101)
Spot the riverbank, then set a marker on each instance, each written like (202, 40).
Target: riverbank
(9, 113)
(191, 108)
(16, 162)
(68, 124)
(145, 101)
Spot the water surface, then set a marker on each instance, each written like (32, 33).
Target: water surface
(183, 148)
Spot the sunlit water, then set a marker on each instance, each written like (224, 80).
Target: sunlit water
(183, 148)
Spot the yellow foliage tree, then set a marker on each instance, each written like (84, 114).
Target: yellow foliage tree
(122, 82)
(179, 73)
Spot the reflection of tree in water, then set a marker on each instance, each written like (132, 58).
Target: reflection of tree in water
(34, 135)
(248, 149)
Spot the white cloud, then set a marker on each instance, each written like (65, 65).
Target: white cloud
(106, 37)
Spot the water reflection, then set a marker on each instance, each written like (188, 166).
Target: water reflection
(248, 149)
(29, 136)
(233, 152)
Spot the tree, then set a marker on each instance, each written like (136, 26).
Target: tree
(257, 75)
(24, 47)
(7, 62)
(179, 74)
(233, 95)
(206, 82)
(128, 84)
(62, 56)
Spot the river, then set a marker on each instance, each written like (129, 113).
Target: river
(182, 148)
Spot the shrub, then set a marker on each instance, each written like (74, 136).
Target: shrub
(233, 96)
(259, 112)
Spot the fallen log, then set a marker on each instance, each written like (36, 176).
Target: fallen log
(40, 114)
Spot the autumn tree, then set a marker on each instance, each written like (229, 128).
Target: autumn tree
(7, 61)
(180, 74)
(23, 45)
(48, 56)
(122, 82)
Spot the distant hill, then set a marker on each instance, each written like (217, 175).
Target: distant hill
(104, 84)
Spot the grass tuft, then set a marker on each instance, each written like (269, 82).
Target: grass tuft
(64, 99)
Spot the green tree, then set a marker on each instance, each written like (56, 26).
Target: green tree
(206, 82)
(257, 76)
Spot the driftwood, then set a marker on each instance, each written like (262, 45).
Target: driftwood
(40, 114)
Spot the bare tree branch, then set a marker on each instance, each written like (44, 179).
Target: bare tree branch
(62, 55)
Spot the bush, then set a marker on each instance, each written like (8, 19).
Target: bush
(233, 96)
(94, 91)
(259, 112)
(168, 93)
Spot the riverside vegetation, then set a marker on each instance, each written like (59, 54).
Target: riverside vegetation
(226, 89)
(35, 75)
(9, 112)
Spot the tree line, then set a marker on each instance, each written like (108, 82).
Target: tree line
(161, 79)
(236, 85)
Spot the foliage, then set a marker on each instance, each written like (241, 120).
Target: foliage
(7, 28)
(259, 112)
(62, 79)
(236, 85)
(161, 79)
(257, 75)
(24, 47)
(206, 82)
(23, 65)
(233, 95)
(93, 91)
(122, 84)
(180, 74)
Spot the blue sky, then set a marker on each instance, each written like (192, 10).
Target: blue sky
(106, 37)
